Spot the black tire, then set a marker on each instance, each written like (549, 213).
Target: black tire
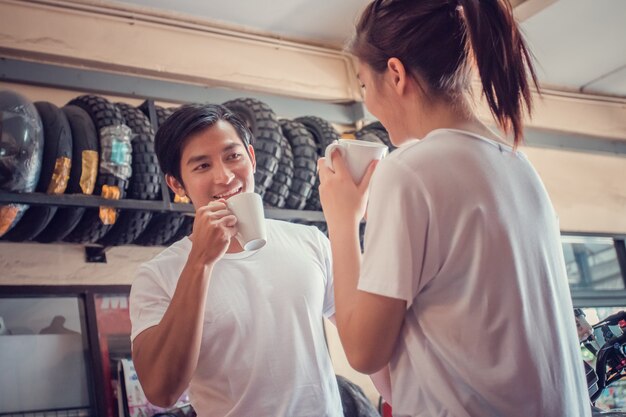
(161, 229)
(266, 133)
(84, 151)
(375, 132)
(323, 132)
(162, 113)
(304, 161)
(184, 230)
(163, 226)
(144, 184)
(57, 154)
(278, 192)
(90, 229)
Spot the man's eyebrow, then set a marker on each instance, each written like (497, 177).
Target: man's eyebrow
(231, 146)
(196, 159)
(200, 158)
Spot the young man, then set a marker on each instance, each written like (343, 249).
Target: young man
(242, 330)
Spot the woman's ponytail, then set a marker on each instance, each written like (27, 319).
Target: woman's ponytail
(502, 59)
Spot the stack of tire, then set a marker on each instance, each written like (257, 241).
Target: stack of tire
(77, 146)
(69, 164)
(88, 145)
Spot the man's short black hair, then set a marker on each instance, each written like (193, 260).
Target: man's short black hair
(186, 121)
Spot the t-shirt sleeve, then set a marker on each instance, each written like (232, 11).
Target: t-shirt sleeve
(329, 294)
(397, 229)
(148, 301)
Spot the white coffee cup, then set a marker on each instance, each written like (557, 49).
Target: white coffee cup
(248, 208)
(357, 153)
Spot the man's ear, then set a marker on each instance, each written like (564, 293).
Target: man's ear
(252, 157)
(397, 74)
(175, 185)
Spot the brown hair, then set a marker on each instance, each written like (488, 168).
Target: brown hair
(438, 39)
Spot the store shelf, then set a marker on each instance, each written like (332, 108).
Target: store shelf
(77, 200)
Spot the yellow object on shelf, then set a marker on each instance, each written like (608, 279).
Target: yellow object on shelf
(60, 175)
(108, 215)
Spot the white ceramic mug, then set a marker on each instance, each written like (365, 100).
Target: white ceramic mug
(357, 153)
(248, 208)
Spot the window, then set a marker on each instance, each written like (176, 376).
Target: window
(592, 263)
(43, 357)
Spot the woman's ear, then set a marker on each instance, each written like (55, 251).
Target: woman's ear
(397, 75)
(175, 185)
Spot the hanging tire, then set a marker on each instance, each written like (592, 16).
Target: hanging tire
(83, 174)
(55, 171)
(263, 124)
(375, 132)
(324, 134)
(163, 227)
(304, 151)
(21, 145)
(144, 184)
(104, 114)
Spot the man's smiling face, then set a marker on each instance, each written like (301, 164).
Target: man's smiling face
(215, 165)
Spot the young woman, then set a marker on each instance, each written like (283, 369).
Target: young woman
(462, 290)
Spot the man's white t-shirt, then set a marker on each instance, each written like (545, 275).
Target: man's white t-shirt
(263, 349)
(462, 228)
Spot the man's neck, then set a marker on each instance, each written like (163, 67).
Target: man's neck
(233, 247)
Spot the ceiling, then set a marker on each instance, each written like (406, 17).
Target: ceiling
(580, 45)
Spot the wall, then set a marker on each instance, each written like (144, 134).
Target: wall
(587, 190)
(116, 38)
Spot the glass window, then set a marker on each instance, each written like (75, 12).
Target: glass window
(43, 353)
(592, 263)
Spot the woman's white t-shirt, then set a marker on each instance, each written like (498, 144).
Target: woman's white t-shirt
(461, 227)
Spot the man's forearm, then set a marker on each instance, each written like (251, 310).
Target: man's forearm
(166, 355)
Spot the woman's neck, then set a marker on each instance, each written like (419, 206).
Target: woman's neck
(443, 115)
